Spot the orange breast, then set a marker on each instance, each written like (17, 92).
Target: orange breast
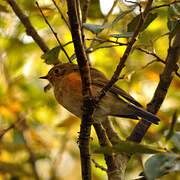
(73, 81)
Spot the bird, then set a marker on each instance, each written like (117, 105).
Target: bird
(67, 85)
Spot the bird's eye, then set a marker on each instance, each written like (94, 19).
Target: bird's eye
(56, 72)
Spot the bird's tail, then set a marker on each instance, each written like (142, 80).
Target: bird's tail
(144, 114)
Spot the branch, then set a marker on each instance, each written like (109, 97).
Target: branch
(84, 18)
(4, 131)
(127, 51)
(177, 74)
(112, 168)
(85, 10)
(62, 16)
(122, 159)
(164, 5)
(161, 90)
(148, 64)
(86, 121)
(104, 22)
(85, 130)
(30, 30)
(110, 12)
(99, 166)
(152, 54)
(172, 127)
(52, 30)
(107, 40)
(158, 60)
(100, 47)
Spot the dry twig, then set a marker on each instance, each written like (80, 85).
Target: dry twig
(60, 12)
(164, 5)
(55, 34)
(99, 166)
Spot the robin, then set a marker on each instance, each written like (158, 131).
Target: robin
(66, 82)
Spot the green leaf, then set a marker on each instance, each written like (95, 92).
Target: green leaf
(177, 7)
(161, 164)
(126, 147)
(173, 26)
(122, 35)
(175, 139)
(174, 11)
(132, 25)
(96, 29)
(94, 11)
(120, 16)
(51, 57)
(150, 18)
(171, 11)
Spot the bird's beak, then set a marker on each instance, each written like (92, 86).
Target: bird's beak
(44, 77)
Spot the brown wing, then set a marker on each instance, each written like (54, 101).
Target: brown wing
(100, 80)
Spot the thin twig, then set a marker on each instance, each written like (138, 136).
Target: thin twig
(4, 131)
(146, 65)
(100, 47)
(70, 42)
(137, 3)
(158, 59)
(177, 74)
(99, 166)
(79, 16)
(107, 40)
(90, 50)
(55, 34)
(85, 10)
(60, 12)
(164, 5)
(104, 22)
(122, 159)
(171, 130)
(161, 90)
(110, 12)
(127, 51)
(152, 54)
(30, 30)
(82, 19)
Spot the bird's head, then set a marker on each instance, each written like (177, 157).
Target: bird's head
(56, 73)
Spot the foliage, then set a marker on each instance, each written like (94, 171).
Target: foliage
(126, 147)
(161, 164)
(51, 57)
(42, 137)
